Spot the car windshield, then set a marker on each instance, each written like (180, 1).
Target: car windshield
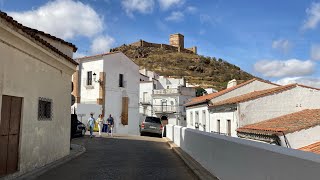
(153, 120)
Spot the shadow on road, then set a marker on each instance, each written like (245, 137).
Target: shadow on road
(122, 157)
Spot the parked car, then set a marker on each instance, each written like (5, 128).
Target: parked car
(151, 125)
(77, 127)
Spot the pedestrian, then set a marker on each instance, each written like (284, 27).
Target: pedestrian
(100, 123)
(91, 123)
(110, 124)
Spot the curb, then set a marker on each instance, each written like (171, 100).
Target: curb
(196, 167)
(39, 171)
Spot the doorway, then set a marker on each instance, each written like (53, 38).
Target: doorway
(9, 134)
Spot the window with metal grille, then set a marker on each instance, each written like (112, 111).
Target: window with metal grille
(89, 78)
(121, 80)
(44, 109)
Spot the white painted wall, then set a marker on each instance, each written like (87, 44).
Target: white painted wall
(224, 117)
(286, 102)
(233, 158)
(302, 138)
(202, 119)
(253, 86)
(29, 71)
(83, 111)
(90, 93)
(113, 65)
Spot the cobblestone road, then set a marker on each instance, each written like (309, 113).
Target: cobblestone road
(122, 157)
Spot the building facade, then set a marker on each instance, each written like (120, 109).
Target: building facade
(197, 109)
(35, 74)
(109, 84)
(254, 107)
(164, 97)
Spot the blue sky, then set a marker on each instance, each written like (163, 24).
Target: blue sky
(275, 40)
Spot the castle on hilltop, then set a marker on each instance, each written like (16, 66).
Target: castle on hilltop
(176, 43)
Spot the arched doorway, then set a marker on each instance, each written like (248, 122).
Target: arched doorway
(164, 120)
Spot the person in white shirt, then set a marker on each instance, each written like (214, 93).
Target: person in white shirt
(100, 123)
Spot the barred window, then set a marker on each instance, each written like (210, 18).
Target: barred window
(44, 109)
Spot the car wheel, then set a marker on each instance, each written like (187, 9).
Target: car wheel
(83, 132)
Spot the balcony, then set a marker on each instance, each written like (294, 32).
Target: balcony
(164, 109)
(166, 91)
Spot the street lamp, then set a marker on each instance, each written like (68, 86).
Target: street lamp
(95, 78)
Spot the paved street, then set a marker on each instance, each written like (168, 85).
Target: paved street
(123, 157)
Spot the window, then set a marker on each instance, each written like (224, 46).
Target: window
(218, 126)
(191, 118)
(154, 86)
(121, 80)
(89, 78)
(228, 127)
(44, 109)
(196, 119)
(153, 120)
(203, 117)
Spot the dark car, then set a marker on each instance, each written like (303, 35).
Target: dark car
(151, 125)
(77, 127)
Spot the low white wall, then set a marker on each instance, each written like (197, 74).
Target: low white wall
(233, 158)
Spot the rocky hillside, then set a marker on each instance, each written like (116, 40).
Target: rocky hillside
(206, 71)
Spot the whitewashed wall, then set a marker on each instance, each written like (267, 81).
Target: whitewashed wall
(233, 158)
(253, 86)
(202, 119)
(115, 64)
(223, 117)
(279, 104)
(89, 94)
(29, 71)
(302, 138)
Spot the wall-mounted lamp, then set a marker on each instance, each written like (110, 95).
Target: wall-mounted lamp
(95, 78)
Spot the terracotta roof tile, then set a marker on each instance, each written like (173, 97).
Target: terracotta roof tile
(315, 148)
(289, 123)
(32, 34)
(202, 99)
(253, 95)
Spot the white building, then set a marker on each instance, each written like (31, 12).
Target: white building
(109, 84)
(164, 97)
(295, 130)
(229, 114)
(35, 89)
(197, 109)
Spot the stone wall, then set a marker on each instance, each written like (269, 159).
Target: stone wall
(142, 43)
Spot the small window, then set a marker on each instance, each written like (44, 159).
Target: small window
(229, 127)
(121, 80)
(218, 126)
(191, 118)
(45, 109)
(89, 78)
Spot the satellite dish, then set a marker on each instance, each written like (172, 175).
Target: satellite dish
(73, 100)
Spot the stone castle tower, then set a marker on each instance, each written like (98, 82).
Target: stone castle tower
(177, 40)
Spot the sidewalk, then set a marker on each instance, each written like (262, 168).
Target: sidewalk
(76, 151)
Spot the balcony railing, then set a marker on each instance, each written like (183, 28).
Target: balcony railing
(165, 91)
(164, 109)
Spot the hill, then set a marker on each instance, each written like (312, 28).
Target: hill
(205, 71)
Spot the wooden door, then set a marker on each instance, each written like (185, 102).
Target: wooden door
(125, 110)
(9, 134)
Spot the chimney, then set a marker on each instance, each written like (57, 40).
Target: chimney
(232, 83)
(177, 40)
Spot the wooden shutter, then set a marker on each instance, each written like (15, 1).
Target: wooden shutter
(125, 110)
